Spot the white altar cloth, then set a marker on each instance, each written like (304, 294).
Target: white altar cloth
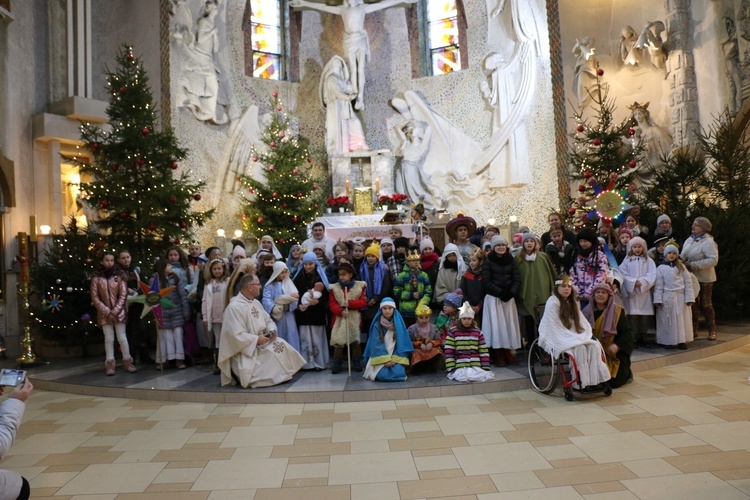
(346, 227)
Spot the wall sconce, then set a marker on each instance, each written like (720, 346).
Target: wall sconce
(513, 219)
(45, 229)
(238, 233)
(491, 222)
(220, 233)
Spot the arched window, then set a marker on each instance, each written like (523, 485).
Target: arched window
(266, 36)
(437, 32)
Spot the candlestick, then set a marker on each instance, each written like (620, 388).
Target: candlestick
(347, 188)
(377, 186)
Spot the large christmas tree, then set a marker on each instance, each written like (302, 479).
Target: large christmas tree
(604, 158)
(285, 198)
(142, 204)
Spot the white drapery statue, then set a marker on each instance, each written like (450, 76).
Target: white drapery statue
(344, 131)
(584, 75)
(656, 139)
(651, 43)
(356, 41)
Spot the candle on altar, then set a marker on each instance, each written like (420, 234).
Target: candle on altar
(377, 186)
(347, 187)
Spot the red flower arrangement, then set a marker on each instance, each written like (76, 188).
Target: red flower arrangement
(339, 201)
(395, 198)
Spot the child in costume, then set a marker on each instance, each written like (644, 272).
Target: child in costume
(173, 318)
(280, 299)
(213, 305)
(673, 297)
(537, 281)
(378, 280)
(311, 317)
(452, 269)
(448, 317)
(412, 288)
(388, 347)
(425, 338)
(467, 358)
(471, 283)
(346, 299)
(639, 273)
(590, 266)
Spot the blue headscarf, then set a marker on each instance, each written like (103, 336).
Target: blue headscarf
(291, 263)
(364, 275)
(311, 257)
(376, 347)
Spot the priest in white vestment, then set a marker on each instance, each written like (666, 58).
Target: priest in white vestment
(249, 346)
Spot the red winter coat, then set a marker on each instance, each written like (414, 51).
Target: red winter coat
(109, 296)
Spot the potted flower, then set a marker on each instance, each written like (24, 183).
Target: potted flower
(340, 202)
(393, 201)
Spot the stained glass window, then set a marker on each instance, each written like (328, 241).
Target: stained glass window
(266, 25)
(442, 29)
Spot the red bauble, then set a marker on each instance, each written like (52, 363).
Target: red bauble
(255, 158)
(309, 160)
(176, 241)
(282, 135)
(316, 205)
(295, 171)
(260, 219)
(631, 131)
(152, 227)
(173, 199)
(183, 224)
(600, 71)
(272, 144)
(294, 218)
(145, 131)
(115, 167)
(580, 128)
(174, 165)
(275, 194)
(299, 195)
(571, 211)
(139, 162)
(632, 163)
(197, 197)
(129, 56)
(587, 175)
(105, 203)
(244, 216)
(282, 240)
(124, 214)
(94, 146)
(596, 142)
(581, 188)
(250, 191)
(315, 186)
(122, 90)
(271, 168)
(283, 205)
(278, 108)
(592, 182)
(275, 94)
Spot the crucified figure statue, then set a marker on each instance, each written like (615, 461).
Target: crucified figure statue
(356, 42)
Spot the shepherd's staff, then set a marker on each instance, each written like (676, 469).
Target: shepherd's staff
(346, 328)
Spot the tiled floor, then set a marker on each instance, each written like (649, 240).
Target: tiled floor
(677, 432)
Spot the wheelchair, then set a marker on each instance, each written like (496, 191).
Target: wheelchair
(545, 373)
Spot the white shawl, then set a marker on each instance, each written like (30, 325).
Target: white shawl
(554, 337)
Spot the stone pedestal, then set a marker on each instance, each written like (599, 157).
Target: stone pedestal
(362, 169)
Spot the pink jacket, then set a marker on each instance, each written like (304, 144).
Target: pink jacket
(109, 297)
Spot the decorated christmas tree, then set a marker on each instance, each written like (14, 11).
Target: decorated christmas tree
(136, 182)
(61, 306)
(604, 158)
(281, 195)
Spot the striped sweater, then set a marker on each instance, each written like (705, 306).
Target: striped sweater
(466, 348)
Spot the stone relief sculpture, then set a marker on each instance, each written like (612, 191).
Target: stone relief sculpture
(731, 52)
(743, 18)
(656, 139)
(651, 42)
(584, 74)
(446, 145)
(202, 86)
(512, 81)
(629, 53)
(415, 138)
(356, 41)
(344, 131)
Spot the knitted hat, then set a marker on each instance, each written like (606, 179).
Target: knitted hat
(386, 241)
(517, 238)
(498, 240)
(421, 310)
(426, 243)
(603, 286)
(401, 242)
(238, 250)
(345, 266)
(637, 241)
(455, 298)
(465, 311)
(373, 249)
(527, 236)
(703, 223)
(671, 248)
(588, 235)
(387, 301)
(663, 217)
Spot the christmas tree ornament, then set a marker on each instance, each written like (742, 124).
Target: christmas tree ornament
(260, 220)
(278, 108)
(272, 144)
(587, 175)
(105, 203)
(115, 167)
(69, 289)
(255, 158)
(295, 171)
(145, 131)
(631, 131)
(124, 214)
(294, 218)
(174, 165)
(122, 90)
(183, 224)
(95, 146)
(281, 135)
(139, 162)
(600, 72)
(274, 194)
(309, 160)
(609, 204)
(173, 199)
(271, 168)
(152, 227)
(282, 240)
(129, 56)
(596, 142)
(251, 191)
(275, 94)
(632, 163)
(55, 302)
(580, 128)
(581, 188)
(197, 197)
(86, 317)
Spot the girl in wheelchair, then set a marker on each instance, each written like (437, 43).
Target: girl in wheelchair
(564, 330)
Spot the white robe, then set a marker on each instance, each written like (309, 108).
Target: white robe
(239, 352)
(586, 350)
(638, 300)
(674, 319)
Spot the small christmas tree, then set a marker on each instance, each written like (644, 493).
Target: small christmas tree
(143, 205)
(61, 306)
(604, 158)
(286, 198)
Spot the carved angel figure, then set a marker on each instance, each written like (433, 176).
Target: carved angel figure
(584, 75)
(651, 41)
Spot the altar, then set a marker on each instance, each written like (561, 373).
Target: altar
(347, 227)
